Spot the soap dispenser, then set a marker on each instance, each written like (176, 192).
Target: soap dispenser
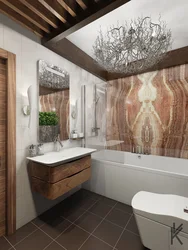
(74, 134)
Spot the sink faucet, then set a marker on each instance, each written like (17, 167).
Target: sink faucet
(57, 143)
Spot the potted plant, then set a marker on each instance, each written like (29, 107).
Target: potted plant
(48, 126)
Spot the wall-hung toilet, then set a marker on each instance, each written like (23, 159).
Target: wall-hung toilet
(162, 220)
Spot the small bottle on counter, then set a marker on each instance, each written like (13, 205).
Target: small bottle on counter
(40, 149)
(32, 150)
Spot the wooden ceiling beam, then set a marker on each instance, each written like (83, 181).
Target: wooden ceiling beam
(103, 9)
(26, 13)
(71, 6)
(56, 9)
(75, 55)
(20, 19)
(82, 4)
(41, 11)
(68, 7)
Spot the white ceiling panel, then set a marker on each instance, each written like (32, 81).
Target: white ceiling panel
(173, 12)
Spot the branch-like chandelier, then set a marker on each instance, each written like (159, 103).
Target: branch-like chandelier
(132, 48)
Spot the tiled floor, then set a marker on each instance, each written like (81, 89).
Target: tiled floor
(84, 221)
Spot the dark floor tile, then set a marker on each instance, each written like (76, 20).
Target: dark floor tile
(50, 214)
(129, 241)
(54, 246)
(82, 199)
(118, 217)
(38, 241)
(21, 233)
(4, 245)
(95, 196)
(56, 227)
(67, 206)
(38, 222)
(72, 238)
(95, 244)
(87, 203)
(108, 201)
(88, 221)
(73, 214)
(132, 226)
(81, 194)
(124, 207)
(92, 195)
(100, 209)
(108, 232)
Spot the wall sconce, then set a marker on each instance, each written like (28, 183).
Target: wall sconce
(27, 109)
(74, 110)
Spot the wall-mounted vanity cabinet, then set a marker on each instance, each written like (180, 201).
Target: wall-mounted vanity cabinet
(56, 173)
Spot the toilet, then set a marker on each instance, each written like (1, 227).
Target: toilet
(162, 220)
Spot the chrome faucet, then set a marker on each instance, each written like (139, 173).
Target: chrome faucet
(57, 143)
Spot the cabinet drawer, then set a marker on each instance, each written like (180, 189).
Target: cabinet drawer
(54, 190)
(55, 174)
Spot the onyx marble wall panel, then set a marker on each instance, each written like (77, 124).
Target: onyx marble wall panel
(151, 111)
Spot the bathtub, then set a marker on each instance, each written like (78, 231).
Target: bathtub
(120, 175)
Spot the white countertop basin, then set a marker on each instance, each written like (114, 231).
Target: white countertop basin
(63, 156)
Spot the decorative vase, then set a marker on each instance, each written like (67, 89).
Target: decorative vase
(48, 133)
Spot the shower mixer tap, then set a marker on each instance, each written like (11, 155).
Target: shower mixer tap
(137, 150)
(95, 130)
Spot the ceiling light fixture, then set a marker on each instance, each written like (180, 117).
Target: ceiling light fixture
(132, 48)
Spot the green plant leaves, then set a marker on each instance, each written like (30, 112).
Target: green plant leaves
(48, 119)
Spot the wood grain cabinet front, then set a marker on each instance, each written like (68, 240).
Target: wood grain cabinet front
(53, 182)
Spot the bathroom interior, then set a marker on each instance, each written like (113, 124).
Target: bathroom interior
(93, 125)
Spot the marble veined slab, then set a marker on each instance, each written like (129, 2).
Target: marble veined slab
(150, 110)
(63, 156)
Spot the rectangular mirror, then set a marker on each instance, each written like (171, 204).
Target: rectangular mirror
(53, 102)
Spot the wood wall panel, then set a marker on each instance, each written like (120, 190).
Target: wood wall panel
(3, 133)
(150, 110)
(2, 180)
(2, 206)
(7, 142)
(3, 54)
(2, 227)
(11, 144)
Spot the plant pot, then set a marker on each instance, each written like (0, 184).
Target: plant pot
(48, 133)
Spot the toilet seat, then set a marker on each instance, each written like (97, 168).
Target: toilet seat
(155, 216)
(162, 208)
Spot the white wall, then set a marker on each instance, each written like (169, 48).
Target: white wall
(28, 51)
